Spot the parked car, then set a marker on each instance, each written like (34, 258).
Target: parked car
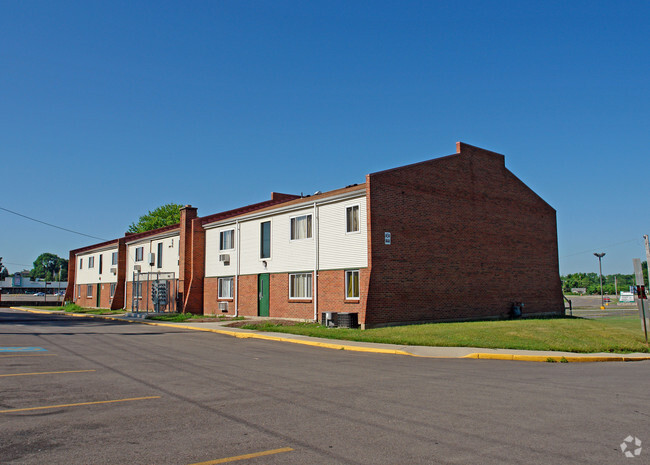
(39, 293)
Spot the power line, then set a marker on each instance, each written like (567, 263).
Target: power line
(52, 225)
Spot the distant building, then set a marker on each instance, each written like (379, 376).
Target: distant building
(21, 283)
(453, 238)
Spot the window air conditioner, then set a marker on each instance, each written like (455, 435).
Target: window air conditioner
(223, 306)
(137, 268)
(152, 259)
(225, 258)
(114, 270)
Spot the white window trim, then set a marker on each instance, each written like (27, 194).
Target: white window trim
(114, 255)
(135, 254)
(233, 239)
(89, 291)
(231, 287)
(311, 287)
(259, 240)
(349, 273)
(358, 205)
(309, 215)
(91, 262)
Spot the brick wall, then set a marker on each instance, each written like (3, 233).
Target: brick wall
(468, 239)
(91, 302)
(331, 296)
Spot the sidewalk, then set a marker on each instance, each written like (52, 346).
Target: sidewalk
(220, 327)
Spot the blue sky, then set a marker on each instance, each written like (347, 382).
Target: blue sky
(110, 109)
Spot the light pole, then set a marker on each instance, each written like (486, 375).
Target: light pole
(600, 267)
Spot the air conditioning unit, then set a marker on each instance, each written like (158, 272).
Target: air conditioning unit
(152, 259)
(113, 270)
(137, 268)
(225, 258)
(329, 319)
(223, 306)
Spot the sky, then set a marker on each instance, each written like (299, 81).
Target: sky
(110, 109)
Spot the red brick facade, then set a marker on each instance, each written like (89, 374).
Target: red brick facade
(467, 240)
(331, 296)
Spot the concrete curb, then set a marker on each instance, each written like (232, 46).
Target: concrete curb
(327, 345)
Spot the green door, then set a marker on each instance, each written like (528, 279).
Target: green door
(263, 295)
(99, 294)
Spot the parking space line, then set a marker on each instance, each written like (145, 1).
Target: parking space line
(28, 355)
(245, 456)
(77, 404)
(46, 373)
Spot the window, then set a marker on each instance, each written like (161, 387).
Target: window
(137, 290)
(225, 288)
(300, 286)
(226, 240)
(139, 254)
(78, 291)
(352, 284)
(114, 258)
(265, 239)
(352, 218)
(159, 257)
(113, 286)
(89, 290)
(101, 262)
(301, 227)
(91, 262)
(81, 263)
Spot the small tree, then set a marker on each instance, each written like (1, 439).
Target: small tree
(165, 215)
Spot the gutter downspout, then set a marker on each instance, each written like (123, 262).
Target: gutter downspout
(315, 293)
(237, 270)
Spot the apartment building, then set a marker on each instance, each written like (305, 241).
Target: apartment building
(456, 237)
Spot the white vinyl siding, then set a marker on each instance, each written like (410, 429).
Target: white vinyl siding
(337, 248)
(166, 262)
(85, 275)
(300, 286)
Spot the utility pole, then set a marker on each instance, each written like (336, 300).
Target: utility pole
(600, 267)
(647, 256)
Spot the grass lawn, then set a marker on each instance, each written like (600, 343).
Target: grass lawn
(620, 335)
(180, 317)
(73, 308)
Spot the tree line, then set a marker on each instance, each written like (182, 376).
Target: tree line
(611, 282)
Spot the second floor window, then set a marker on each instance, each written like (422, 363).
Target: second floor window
(352, 218)
(114, 258)
(265, 239)
(301, 227)
(91, 262)
(226, 240)
(139, 254)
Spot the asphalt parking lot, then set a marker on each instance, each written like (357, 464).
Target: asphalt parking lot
(82, 391)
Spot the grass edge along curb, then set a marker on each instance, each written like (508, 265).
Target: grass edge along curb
(327, 345)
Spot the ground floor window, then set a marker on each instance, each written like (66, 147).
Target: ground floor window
(113, 286)
(226, 288)
(137, 290)
(79, 291)
(89, 291)
(352, 284)
(300, 286)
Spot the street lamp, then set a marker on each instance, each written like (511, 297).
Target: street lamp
(600, 266)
